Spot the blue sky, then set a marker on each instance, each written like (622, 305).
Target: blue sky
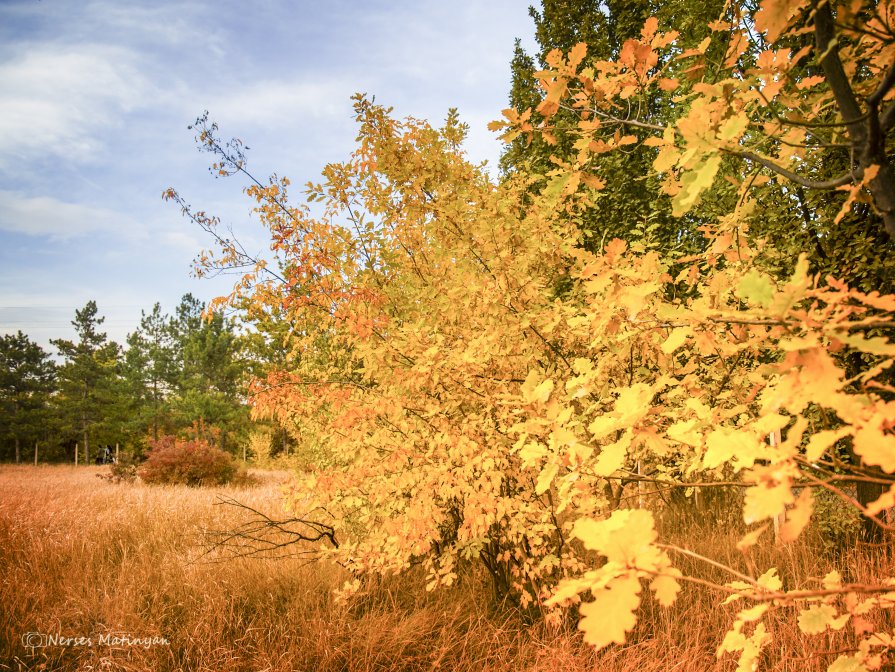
(95, 99)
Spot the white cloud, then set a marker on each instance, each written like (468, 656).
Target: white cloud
(281, 103)
(169, 24)
(50, 217)
(57, 100)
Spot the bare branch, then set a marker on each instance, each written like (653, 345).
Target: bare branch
(261, 536)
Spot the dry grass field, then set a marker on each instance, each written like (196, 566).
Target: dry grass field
(122, 566)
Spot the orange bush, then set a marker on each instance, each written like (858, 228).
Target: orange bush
(192, 462)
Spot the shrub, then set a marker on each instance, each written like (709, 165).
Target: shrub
(122, 471)
(837, 523)
(193, 462)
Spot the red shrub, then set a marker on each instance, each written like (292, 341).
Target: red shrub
(193, 462)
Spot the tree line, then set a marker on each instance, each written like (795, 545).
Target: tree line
(176, 373)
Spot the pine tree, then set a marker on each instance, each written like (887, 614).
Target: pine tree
(88, 378)
(27, 376)
(150, 374)
(210, 370)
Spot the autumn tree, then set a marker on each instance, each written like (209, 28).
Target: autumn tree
(27, 377)
(472, 413)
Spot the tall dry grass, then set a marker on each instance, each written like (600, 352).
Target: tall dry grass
(83, 557)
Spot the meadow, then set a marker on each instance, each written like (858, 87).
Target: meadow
(122, 571)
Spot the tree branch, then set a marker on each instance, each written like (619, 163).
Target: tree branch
(795, 177)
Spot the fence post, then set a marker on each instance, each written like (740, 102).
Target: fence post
(76, 454)
(35, 453)
(116, 452)
(775, 439)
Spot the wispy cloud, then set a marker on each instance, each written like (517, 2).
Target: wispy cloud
(57, 100)
(282, 103)
(49, 217)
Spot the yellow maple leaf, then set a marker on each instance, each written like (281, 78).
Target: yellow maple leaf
(876, 447)
(666, 586)
(624, 538)
(775, 15)
(763, 501)
(816, 619)
(725, 443)
(610, 616)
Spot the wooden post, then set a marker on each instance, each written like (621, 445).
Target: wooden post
(76, 454)
(35, 453)
(243, 453)
(774, 439)
(116, 452)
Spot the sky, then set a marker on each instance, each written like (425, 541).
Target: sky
(96, 98)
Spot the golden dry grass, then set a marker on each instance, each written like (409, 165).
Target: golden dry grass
(83, 557)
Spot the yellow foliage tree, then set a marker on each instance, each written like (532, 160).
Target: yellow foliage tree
(487, 389)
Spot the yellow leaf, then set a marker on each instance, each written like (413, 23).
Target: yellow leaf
(606, 620)
(764, 502)
(733, 128)
(797, 517)
(633, 402)
(542, 392)
(752, 614)
(725, 443)
(847, 664)
(612, 457)
(886, 501)
(676, 339)
(775, 15)
(816, 619)
(832, 580)
(577, 54)
(685, 432)
(821, 441)
(622, 538)
(693, 183)
(545, 478)
(666, 587)
(756, 288)
(751, 538)
(876, 447)
(770, 580)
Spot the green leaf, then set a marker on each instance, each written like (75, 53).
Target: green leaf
(757, 288)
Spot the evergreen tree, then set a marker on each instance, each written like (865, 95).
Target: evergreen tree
(88, 380)
(27, 377)
(211, 370)
(150, 374)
